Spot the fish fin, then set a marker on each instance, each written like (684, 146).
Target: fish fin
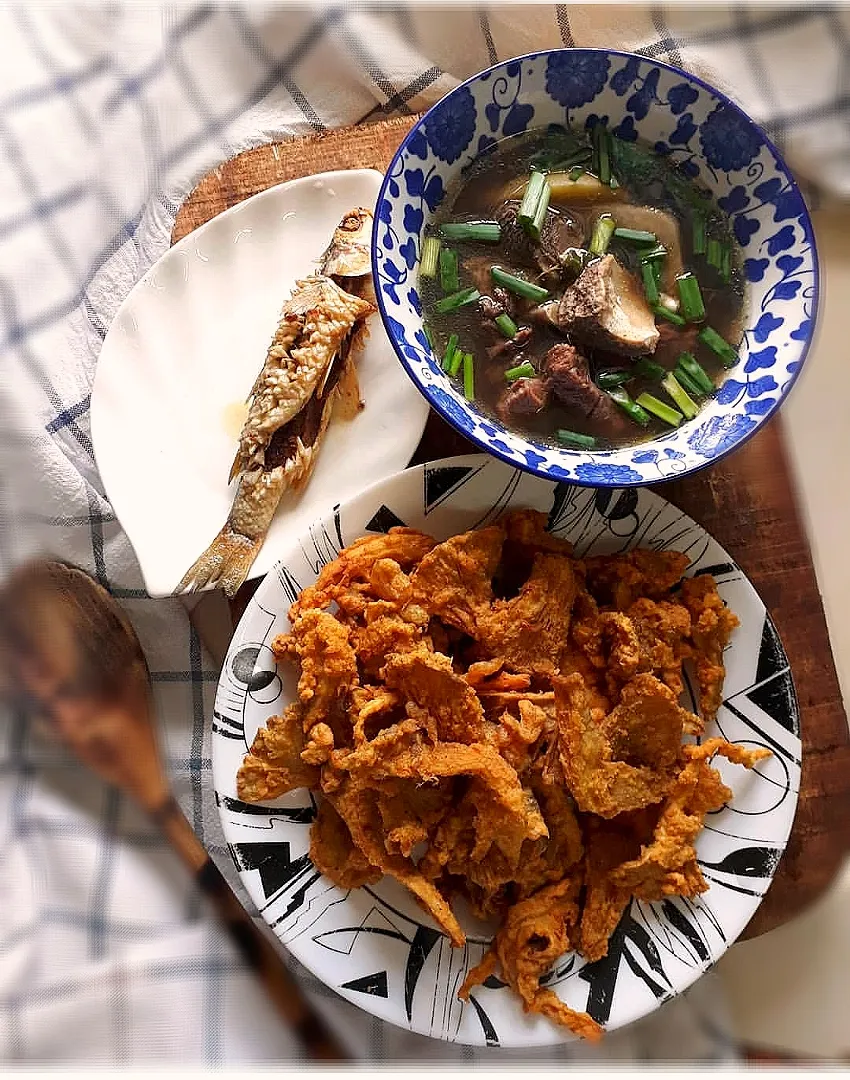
(224, 564)
(236, 467)
(348, 401)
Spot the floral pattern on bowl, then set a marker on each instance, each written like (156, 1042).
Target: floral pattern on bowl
(711, 140)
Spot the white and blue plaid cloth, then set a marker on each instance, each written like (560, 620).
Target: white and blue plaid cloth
(108, 116)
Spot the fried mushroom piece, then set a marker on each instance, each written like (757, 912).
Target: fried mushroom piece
(428, 680)
(617, 581)
(328, 664)
(274, 765)
(530, 630)
(334, 854)
(535, 933)
(404, 546)
(712, 624)
(454, 580)
(627, 761)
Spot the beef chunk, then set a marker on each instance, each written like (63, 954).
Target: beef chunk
(559, 233)
(494, 299)
(606, 308)
(567, 376)
(522, 399)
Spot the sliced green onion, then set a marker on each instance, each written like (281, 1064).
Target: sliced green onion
(714, 252)
(536, 226)
(726, 263)
(575, 438)
(457, 300)
(506, 326)
(430, 253)
(457, 360)
(650, 283)
(430, 339)
(629, 407)
(718, 345)
(690, 298)
(659, 252)
(575, 173)
(550, 160)
(468, 377)
(603, 153)
(449, 281)
(526, 289)
(450, 352)
(603, 230)
(637, 236)
(521, 371)
(489, 231)
(664, 412)
(648, 369)
(536, 190)
(607, 380)
(613, 183)
(690, 365)
(684, 380)
(673, 317)
(699, 233)
(679, 395)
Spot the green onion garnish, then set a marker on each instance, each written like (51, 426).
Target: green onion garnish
(653, 254)
(648, 369)
(716, 343)
(575, 438)
(430, 253)
(506, 326)
(575, 259)
(637, 236)
(652, 405)
(629, 407)
(449, 281)
(489, 231)
(428, 336)
(684, 380)
(457, 360)
(607, 380)
(468, 377)
(689, 364)
(714, 252)
(536, 196)
(650, 283)
(450, 352)
(603, 153)
(575, 173)
(457, 300)
(690, 298)
(603, 230)
(726, 263)
(521, 371)
(699, 233)
(679, 395)
(671, 316)
(526, 289)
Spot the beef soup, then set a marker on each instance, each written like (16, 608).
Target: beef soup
(582, 289)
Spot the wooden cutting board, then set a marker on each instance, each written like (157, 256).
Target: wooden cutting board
(746, 501)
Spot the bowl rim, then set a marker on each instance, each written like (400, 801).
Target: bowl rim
(577, 454)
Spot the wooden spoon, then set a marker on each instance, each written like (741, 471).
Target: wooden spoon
(69, 654)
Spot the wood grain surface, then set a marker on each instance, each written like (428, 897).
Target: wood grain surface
(747, 502)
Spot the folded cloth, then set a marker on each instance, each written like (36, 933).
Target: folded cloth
(108, 116)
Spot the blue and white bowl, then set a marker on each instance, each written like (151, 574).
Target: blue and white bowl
(713, 141)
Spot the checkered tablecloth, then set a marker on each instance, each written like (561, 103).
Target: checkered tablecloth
(108, 116)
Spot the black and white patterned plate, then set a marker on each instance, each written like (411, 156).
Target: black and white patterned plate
(375, 946)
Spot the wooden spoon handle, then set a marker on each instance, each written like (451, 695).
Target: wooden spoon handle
(257, 950)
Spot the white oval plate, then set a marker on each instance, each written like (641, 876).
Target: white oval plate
(182, 355)
(375, 946)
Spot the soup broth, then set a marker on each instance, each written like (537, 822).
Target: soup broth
(634, 276)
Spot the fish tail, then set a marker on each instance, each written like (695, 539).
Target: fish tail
(225, 563)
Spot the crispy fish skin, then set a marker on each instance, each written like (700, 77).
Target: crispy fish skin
(309, 363)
